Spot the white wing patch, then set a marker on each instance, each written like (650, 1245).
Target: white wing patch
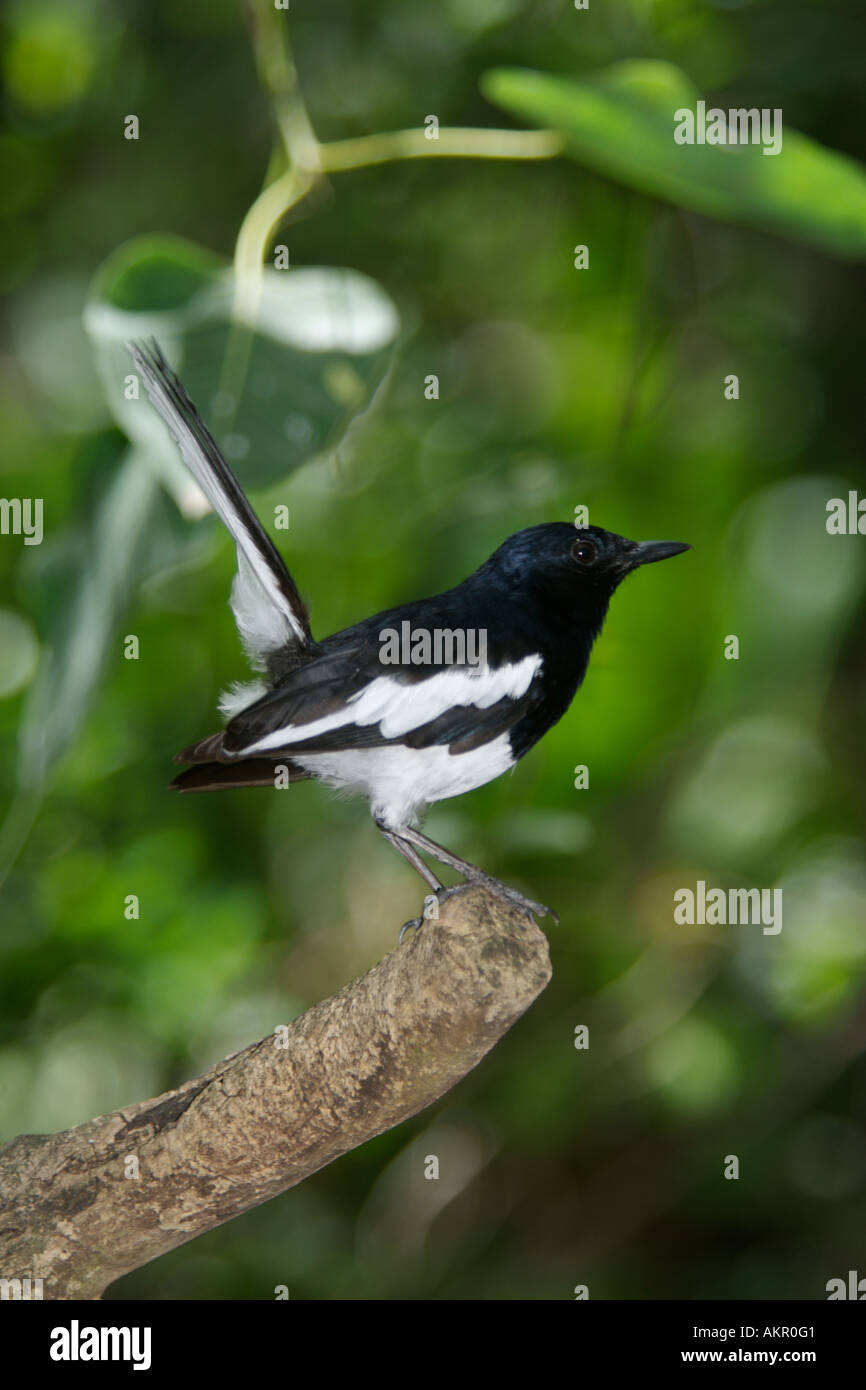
(398, 708)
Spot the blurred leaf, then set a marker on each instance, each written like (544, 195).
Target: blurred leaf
(621, 123)
(19, 654)
(274, 387)
(326, 309)
(152, 275)
(50, 343)
(61, 694)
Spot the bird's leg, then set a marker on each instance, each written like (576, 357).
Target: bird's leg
(403, 847)
(470, 872)
(413, 858)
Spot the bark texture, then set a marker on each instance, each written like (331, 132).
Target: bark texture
(260, 1121)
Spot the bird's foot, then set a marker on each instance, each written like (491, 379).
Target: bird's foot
(510, 895)
(434, 901)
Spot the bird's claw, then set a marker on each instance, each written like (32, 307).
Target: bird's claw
(414, 923)
(510, 895)
(530, 907)
(501, 890)
(430, 909)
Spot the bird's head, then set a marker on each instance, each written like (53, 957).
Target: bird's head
(576, 563)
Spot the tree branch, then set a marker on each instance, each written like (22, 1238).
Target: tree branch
(72, 1211)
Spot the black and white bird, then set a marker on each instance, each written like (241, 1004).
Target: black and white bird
(410, 733)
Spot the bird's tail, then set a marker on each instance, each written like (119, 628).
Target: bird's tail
(268, 610)
(208, 770)
(257, 772)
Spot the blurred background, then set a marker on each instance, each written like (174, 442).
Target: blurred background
(558, 388)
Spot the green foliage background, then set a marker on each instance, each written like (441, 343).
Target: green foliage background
(559, 387)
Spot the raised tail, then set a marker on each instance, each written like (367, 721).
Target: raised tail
(271, 617)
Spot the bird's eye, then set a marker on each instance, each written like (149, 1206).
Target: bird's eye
(584, 552)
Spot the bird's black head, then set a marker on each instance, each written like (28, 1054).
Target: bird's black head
(574, 568)
(585, 555)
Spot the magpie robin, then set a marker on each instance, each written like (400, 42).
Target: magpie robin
(403, 735)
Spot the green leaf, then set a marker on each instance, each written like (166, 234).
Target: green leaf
(96, 593)
(155, 275)
(276, 373)
(19, 654)
(621, 123)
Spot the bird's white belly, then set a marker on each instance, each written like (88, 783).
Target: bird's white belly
(399, 782)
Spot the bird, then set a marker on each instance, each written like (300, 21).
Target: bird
(419, 703)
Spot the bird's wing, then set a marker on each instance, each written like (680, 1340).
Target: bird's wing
(339, 702)
(267, 607)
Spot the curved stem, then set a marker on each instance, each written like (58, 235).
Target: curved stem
(257, 228)
(462, 142)
(308, 161)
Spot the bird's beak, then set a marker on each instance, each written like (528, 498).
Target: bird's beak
(647, 552)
